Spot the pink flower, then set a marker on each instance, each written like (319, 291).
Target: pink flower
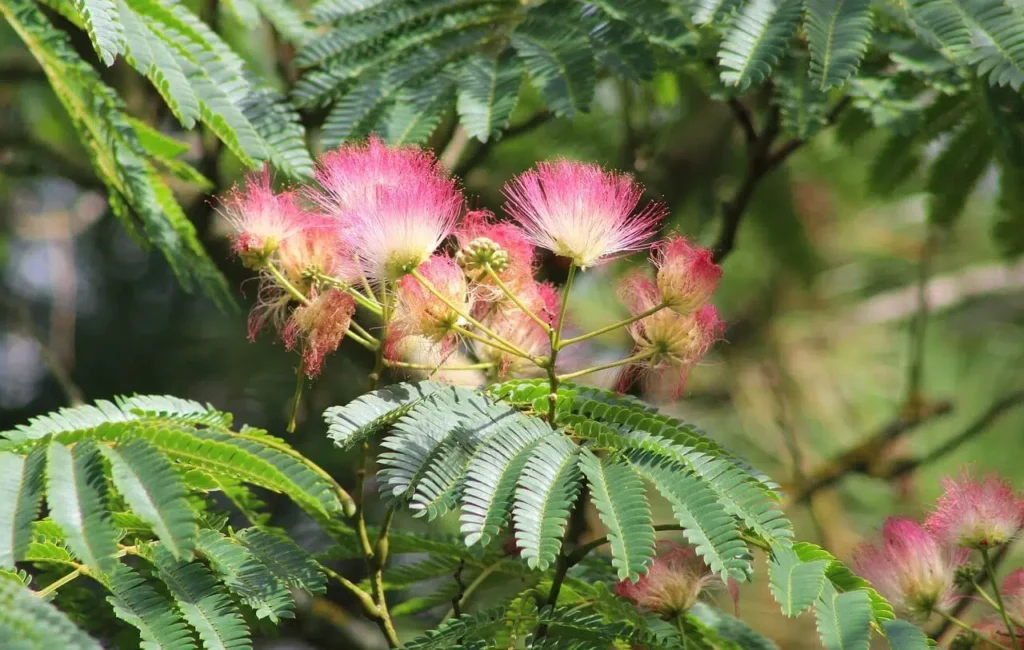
(578, 210)
(396, 204)
(318, 251)
(977, 514)
(319, 327)
(687, 274)
(994, 629)
(513, 325)
(910, 567)
(673, 584)
(262, 218)
(671, 342)
(504, 245)
(1013, 595)
(420, 312)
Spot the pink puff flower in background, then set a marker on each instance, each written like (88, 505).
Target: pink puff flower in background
(910, 567)
(1013, 595)
(978, 514)
(687, 274)
(673, 584)
(580, 211)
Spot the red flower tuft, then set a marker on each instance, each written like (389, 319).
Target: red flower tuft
(687, 274)
(262, 218)
(319, 327)
(977, 514)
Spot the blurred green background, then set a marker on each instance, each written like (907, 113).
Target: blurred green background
(820, 295)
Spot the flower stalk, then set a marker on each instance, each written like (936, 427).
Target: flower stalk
(1000, 605)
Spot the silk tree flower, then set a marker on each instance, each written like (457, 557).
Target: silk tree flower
(672, 343)
(578, 210)
(504, 245)
(1013, 595)
(395, 204)
(674, 582)
(318, 250)
(687, 274)
(262, 218)
(910, 567)
(977, 514)
(511, 323)
(419, 312)
(319, 327)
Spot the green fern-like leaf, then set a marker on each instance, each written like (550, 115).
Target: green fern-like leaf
(153, 491)
(838, 33)
(28, 623)
(795, 584)
(802, 105)
(731, 628)
(706, 524)
(757, 39)
(21, 491)
(560, 62)
(999, 41)
(281, 129)
(905, 636)
(844, 619)
(490, 482)
(203, 602)
(293, 566)
(710, 11)
(246, 576)
(956, 172)
(943, 24)
(623, 50)
(456, 632)
(359, 419)
(76, 495)
(286, 19)
(488, 88)
(544, 497)
(618, 493)
(136, 602)
(106, 32)
(157, 62)
(844, 580)
(419, 109)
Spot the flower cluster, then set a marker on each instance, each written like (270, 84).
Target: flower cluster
(919, 566)
(385, 231)
(674, 582)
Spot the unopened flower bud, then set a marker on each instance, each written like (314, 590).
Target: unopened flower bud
(420, 312)
(964, 575)
(482, 252)
(964, 641)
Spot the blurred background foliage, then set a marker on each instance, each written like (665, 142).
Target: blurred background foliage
(826, 350)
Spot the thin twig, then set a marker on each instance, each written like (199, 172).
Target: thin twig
(746, 122)
(919, 329)
(459, 593)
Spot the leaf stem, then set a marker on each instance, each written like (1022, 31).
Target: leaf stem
(511, 296)
(621, 362)
(964, 626)
(469, 319)
(556, 336)
(285, 283)
(369, 607)
(614, 326)
(473, 586)
(63, 580)
(990, 570)
(299, 384)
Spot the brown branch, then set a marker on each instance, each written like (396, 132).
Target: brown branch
(860, 458)
(984, 421)
(761, 161)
